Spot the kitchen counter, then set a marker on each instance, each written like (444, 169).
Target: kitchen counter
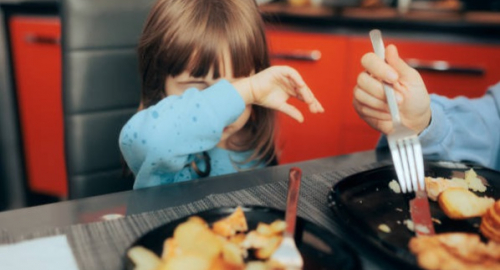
(431, 23)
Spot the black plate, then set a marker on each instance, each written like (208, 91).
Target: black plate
(363, 201)
(319, 248)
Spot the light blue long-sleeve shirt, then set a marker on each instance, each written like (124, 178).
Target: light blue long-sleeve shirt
(464, 129)
(159, 143)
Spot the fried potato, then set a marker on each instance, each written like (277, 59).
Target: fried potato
(436, 186)
(490, 223)
(256, 265)
(220, 264)
(208, 244)
(198, 220)
(266, 251)
(238, 238)
(234, 223)
(186, 234)
(187, 262)
(170, 249)
(459, 203)
(264, 229)
(143, 258)
(195, 245)
(232, 254)
(254, 240)
(278, 226)
(455, 251)
(195, 238)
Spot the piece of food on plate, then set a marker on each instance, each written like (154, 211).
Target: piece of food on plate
(223, 246)
(474, 182)
(231, 225)
(143, 258)
(455, 251)
(459, 203)
(384, 228)
(490, 222)
(436, 185)
(394, 186)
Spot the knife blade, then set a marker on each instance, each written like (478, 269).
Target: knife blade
(421, 214)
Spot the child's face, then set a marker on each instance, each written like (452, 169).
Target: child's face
(177, 85)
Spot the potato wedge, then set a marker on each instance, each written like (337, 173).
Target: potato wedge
(265, 252)
(143, 258)
(234, 223)
(187, 262)
(459, 203)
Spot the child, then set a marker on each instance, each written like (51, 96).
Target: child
(450, 129)
(208, 93)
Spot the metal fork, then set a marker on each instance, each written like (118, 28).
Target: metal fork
(287, 253)
(403, 142)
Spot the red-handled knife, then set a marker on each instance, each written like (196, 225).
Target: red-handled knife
(421, 214)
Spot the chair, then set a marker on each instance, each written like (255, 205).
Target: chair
(12, 184)
(101, 89)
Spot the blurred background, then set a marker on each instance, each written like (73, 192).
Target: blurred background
(69, 79)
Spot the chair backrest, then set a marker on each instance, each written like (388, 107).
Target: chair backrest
(101, 89)
(12, 178)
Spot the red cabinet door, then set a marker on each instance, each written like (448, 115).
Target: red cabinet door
(320, 59)
(36, 55)
(450, 69)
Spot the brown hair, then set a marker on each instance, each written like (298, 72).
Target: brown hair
(191, 35)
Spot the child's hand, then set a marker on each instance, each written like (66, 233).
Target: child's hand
(369, 97)
(272, 88)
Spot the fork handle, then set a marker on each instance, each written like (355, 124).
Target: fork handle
(378, 47)
(292, 200)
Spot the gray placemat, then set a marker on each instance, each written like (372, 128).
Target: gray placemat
(101, 245)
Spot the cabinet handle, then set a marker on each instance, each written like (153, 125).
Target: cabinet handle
(311, 56)
(40, 39)
(444, 67)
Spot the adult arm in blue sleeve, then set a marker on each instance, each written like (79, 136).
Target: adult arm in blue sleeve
(463, 129)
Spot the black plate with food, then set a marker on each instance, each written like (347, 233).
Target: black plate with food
(319, 248)
(364, 201)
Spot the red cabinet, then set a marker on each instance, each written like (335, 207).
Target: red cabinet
(448, 68)
(320, 59)
(36, 56)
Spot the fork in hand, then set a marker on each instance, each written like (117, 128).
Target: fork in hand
(287, 253)
(405, 147)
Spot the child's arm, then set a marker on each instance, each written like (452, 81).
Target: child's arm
(161, 137)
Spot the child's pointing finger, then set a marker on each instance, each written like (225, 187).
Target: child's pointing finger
(292, 112)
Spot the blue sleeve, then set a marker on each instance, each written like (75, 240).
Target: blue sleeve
(464, 129)
(161, 138)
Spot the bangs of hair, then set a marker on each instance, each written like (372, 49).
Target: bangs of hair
(200, 38)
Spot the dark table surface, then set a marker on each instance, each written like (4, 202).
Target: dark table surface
(25, 220)
(17, 223)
